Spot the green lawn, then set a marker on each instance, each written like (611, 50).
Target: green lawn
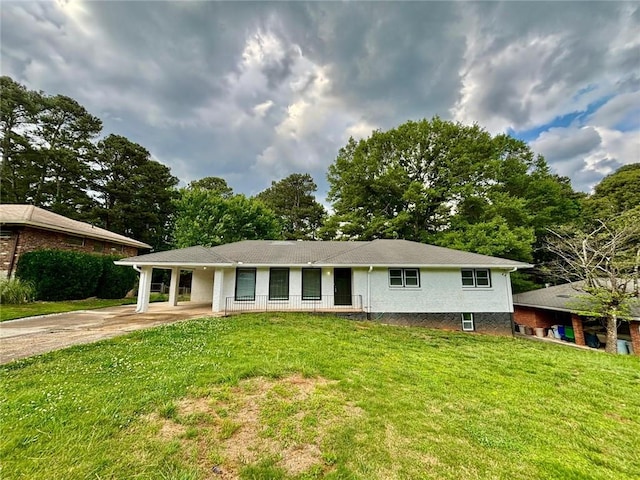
(299, 396)
(11, 312)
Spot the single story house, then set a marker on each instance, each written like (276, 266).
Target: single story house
(547, 307)
(395, 281)
(25, 228)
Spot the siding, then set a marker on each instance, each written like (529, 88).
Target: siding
(440, 291)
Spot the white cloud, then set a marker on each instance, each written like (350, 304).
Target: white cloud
(261, 109)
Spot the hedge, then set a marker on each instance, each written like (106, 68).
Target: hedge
(66, 275)
(116, 280)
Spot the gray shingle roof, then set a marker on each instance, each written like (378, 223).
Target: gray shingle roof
(183, 256)
(32, 216)
(377, 253)
(558, 297)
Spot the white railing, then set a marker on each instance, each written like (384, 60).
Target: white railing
(295, 303)
(164, 288)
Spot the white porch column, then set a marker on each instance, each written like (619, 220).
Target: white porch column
(218, 290)
(173, 286)
(144, 290)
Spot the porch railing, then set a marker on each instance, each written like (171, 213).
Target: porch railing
(164, 288)
(295, 303)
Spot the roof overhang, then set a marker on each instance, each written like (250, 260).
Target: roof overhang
(66, 231)
(557, 309)
(173, 264)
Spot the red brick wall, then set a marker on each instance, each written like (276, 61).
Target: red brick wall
(634, 330)
(534, 317)
(29, 239)
(576, 322)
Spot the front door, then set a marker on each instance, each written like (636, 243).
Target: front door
(342, 286)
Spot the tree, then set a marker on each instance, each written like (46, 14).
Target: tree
(606, 260)
(47, 145)
(617, 193)
(134, 194)
(19, 108)
(215, 184)
(205, 217)
(442, 182)
(293, 201)
(65, 134)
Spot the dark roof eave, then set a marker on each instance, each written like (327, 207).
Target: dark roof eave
(558, 309)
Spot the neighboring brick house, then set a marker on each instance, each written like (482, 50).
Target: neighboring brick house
(25, 228)
(551, 306)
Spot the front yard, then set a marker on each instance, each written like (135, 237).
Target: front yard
(302, 396)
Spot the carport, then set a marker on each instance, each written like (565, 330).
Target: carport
(207, 281)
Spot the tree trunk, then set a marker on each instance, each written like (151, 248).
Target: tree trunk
(612, 334)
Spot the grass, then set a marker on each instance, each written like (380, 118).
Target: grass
(306, 397)
(13, 311)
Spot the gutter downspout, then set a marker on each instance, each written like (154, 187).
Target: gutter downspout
(510, 299)
(369, 292)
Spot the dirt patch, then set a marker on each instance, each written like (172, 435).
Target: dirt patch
(283, 421)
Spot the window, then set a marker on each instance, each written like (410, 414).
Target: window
(404, 277)
(279, 284)
(467, 322)
(71, 240)
(5, 233)
(476, 277)
(98, 246)
(311, 284)
(245, 284)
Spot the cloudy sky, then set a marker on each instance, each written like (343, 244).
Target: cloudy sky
(252, 92)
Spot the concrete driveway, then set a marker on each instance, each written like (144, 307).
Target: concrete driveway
(25, 337)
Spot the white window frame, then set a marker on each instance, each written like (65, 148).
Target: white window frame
(474, 277)
(468, 324)
(403, 277)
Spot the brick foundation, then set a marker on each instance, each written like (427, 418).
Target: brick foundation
(16, 241)
(493, 323)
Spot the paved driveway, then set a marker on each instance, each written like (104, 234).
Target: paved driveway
(25, 337)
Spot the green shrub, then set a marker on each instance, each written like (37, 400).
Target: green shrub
(60, 275)
(13, 291)
(116, 280)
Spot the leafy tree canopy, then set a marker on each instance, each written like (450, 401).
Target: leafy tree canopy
(446, 183)
(215, 184)
(617, 193)
(293, 201)
(47, 144)
(205, 217)
(133, 193)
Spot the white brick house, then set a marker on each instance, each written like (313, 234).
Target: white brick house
(393, 280)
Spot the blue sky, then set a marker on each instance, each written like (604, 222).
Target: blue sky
(254, 91)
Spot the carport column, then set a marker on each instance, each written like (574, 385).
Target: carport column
(144, 290)
(173, 286)
(634, 329)
(217, 305)
(576, 321)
